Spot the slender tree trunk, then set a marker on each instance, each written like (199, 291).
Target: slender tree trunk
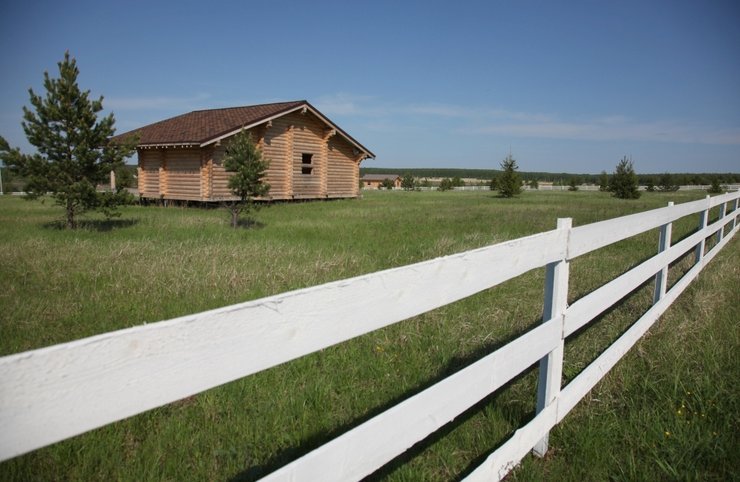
(71, 215)
(234, 216)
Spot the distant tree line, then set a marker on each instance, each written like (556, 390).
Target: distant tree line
(623, 183)
(562, 178)
(433, 172)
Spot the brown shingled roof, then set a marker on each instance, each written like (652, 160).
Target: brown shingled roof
(200, 126)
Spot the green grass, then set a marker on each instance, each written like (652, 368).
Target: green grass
(159, 263)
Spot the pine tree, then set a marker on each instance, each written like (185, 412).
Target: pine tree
(603, 181)
(244, 160)
(509, 184)
(624, 181)
(74, 150)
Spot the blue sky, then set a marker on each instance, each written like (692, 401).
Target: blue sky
(567, 86)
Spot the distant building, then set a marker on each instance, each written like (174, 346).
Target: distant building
(374, 181)
(310, 157)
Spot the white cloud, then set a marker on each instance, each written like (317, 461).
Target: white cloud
(368, 106)
(343, 104)
(493, 120)
(440, 110)
(615, 128)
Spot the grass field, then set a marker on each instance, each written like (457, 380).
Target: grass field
(158, 263)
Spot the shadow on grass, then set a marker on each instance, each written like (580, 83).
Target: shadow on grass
(494, 195)
(248, 223)
(517, 415)
(100, 225)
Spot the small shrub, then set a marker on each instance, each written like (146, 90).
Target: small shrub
(715, 187)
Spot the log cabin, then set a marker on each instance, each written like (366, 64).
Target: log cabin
(310, 157)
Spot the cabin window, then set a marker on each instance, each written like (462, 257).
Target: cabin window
(306, 167)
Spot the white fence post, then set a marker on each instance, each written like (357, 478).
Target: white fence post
(703, 217)
(551, 366)
(734, 214)
(661, 279)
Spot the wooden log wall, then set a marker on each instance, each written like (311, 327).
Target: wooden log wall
(162, 173)
(308, 137)
(343, 172)
(206, 172)
(219, 176)
(276, 149)
(149, 164)
(183, 174)
(324, 174)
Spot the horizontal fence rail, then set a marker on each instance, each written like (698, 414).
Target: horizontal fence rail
(54, 393)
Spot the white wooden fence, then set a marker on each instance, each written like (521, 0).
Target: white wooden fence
(54, 393)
